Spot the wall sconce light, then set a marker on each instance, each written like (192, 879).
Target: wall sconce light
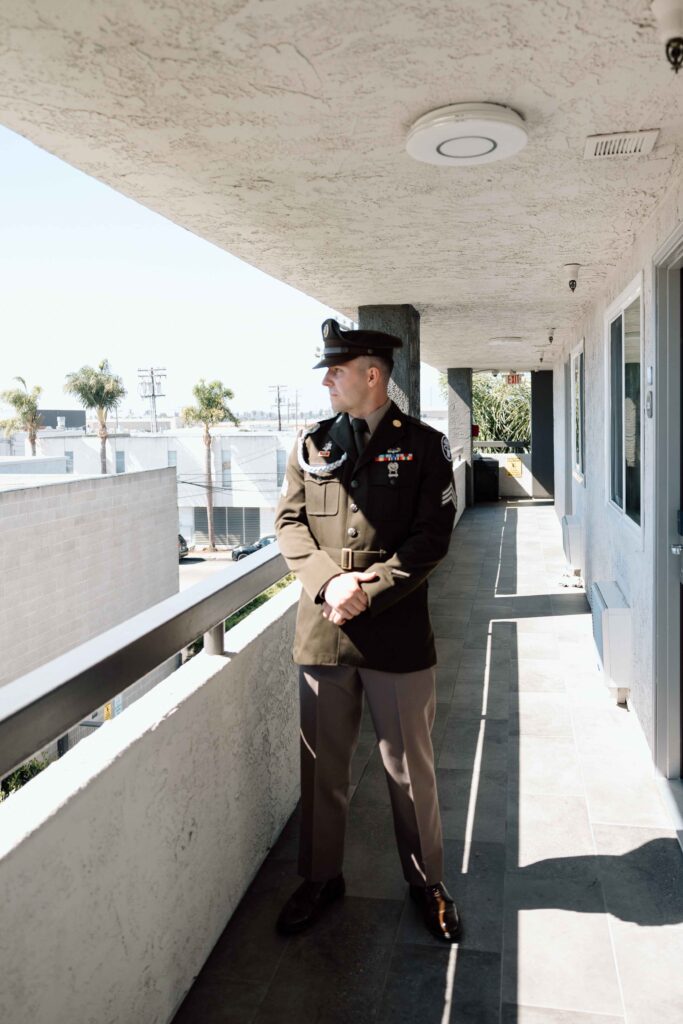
(669, 17)
(571, 274)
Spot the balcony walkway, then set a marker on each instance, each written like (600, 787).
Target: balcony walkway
(559, 852)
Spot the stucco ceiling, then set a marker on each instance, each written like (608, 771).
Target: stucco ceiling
(276, 129)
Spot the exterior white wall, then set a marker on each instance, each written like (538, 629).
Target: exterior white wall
(78, 557)
(252, 457)
(32, 464)
(121, 863)
(613, 550)
(459, 480)
(563, 499)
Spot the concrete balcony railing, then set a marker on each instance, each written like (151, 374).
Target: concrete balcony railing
(121, 863)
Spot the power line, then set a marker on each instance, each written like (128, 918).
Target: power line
(278, 387)
(150, 383)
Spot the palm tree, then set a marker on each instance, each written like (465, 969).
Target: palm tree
(210, 409)
(97, 389)
(502, 410)
(25, 405)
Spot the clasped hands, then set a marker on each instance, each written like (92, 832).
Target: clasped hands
(344, 597)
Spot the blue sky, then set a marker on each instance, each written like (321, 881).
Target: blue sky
(87, 274)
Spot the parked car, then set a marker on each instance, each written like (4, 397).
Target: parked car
(242, 550)
(182, 547)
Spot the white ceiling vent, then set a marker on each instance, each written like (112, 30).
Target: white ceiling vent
(620, 144)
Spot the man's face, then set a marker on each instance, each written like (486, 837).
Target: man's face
(348, 385)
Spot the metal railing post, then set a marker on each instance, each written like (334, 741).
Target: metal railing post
(213, 640)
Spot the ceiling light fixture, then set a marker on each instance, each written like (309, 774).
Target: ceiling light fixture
(463, 134)
(669, 17)
(571, 274)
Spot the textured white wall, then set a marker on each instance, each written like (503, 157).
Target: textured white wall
(79, 557)
(121, 863)
(32, 464)
(459, 480)
(253, 458)
(612, 550)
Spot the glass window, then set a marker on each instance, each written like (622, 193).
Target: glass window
(172, 458)
(632, 409)
(120, 462)
(616, 413)
(69, 461)
(577, 384)
(625, 411)
(227, 469)
(281, 465)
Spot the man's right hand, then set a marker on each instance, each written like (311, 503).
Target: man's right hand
(344, 597)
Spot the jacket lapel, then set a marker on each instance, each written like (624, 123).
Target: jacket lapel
(342, 434)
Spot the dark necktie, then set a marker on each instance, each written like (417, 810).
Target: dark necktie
(360, 429)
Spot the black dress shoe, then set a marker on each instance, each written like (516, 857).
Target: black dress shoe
(440, 912)
(307, 904)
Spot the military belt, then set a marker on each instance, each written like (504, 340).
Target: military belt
(349, 558)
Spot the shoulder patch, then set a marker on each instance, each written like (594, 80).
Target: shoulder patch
(446, 448)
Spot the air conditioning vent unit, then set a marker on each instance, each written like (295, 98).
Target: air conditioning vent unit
(612, 632)
(620, 144)
(572, 542)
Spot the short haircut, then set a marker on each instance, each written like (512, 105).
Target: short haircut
(383, 362)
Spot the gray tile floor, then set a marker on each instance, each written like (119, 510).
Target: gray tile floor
(559, 853)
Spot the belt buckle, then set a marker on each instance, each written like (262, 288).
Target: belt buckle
(346, 558)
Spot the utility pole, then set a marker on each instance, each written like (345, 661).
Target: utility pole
(150, 383)
(296, 409)
(278, 388)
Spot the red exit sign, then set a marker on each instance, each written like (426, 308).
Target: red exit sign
(514, 378)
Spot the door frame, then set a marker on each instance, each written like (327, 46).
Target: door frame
(666, 391)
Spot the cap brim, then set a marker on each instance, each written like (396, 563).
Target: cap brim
(335, 361)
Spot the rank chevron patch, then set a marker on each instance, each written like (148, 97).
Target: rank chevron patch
(448, 494)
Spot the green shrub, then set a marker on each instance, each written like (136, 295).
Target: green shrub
(22, 775)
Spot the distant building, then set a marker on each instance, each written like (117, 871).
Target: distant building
(63, 419)
(247, 473)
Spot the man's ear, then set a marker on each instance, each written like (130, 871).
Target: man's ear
(373, 375)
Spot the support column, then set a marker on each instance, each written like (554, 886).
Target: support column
(542, 440)
(460, 421)
(404, 322)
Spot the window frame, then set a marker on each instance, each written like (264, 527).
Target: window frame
(578, 354)
(281, 455)
(616, 309)
(226, 474)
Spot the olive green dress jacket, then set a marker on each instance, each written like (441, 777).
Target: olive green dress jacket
(389, 511)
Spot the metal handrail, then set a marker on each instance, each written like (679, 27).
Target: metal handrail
(45, 703)
(501, 444)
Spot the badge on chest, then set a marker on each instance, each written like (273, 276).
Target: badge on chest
(392, 457)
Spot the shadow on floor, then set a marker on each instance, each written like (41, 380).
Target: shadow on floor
(370, 958)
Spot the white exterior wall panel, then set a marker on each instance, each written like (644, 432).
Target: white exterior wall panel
(78, 557)
(252, 456)
(614, 549)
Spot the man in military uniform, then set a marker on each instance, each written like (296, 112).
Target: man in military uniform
(366, 512)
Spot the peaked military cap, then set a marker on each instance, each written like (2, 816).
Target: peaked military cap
(340, 346)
